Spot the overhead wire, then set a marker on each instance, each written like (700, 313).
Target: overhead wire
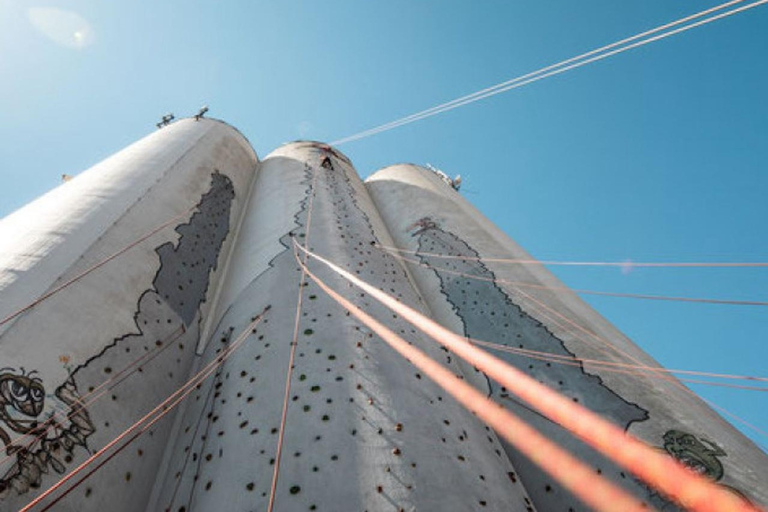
(700, 300)
(620, 264)
(556, 69)
(658, 470)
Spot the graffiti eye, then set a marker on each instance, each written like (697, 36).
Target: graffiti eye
(36, 394)
(19, 392)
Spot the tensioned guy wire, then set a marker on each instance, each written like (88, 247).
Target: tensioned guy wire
(601, 53)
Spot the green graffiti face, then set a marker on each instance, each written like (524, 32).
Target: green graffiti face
(699, 455)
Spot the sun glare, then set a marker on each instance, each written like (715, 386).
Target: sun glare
(64, 28)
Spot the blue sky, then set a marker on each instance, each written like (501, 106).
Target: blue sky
(658, 154)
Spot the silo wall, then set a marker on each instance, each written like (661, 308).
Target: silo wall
(450, 247)
(364, 430)
(106, 282)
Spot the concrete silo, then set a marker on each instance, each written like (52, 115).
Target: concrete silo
(452, 251)
(169, 275)
(90, 343)
(363, 430)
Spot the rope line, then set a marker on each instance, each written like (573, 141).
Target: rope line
(141, 426)
(567, 61)
(641, 366)
(740, 420)
(605, 344)
(188, 456)
(666, 298)
(291, 357)
(597, 362)
(645, 368)
(556, 69)
(658, 470)
(607, 366)
(621, 264)
(591, 334)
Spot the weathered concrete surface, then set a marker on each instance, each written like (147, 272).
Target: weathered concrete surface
(364, 430)
(122, 338)
(425, 215)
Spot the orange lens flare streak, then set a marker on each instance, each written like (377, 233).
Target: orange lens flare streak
(658, 470)
(575, 476)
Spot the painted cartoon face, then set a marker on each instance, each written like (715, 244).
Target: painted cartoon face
(699, 455)
(20, 395)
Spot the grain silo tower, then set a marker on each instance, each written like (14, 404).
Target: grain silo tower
(165, 349)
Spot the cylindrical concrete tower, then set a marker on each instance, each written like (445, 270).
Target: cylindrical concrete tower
(449, 247)
(90, 343)
(178, 257)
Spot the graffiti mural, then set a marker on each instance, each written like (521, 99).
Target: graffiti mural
(21, 400)
(698, 454)
(36, 442)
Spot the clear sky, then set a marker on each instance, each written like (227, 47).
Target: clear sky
(658, 154)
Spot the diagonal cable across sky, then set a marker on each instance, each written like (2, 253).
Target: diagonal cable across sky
(630, 43)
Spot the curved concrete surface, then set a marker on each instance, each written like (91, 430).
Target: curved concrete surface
(141, 310)
(363, 430)
(427, 217)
